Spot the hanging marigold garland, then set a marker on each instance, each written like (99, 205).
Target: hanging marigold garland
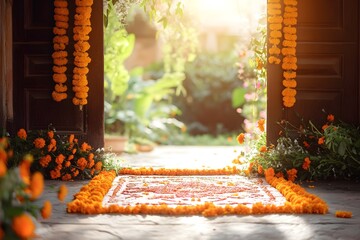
(287, 23)
(82, 28)
(288, 51)
(275, 20)
(60, 41)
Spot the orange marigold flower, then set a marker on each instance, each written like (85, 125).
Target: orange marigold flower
(24, 170)
(306, 144)
(23, 226)
(81, 163)
(36, 185)
(51, 134)
(71, 138)
(98, 166)
(269, 172)
(291, 174)
(59, 159)
(46, 210)
(54, 174)
(240, 138)
(324, 127)
(321, 140)
(3, 155)
(343, 214)
(67, 163)
(63, 191)
(262, 149)
(261, 123)
(39, 143)
(52, 145)
(3, 169)
(85, 147)
(330, 118)
(260, 169)
(279, 175)
(22, 134)
(306, 163)
(66, 177)
(44, 161)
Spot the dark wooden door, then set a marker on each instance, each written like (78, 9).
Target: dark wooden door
(328, 66)
(34, 107)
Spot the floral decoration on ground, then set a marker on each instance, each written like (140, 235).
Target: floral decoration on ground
(89, 201)
(19, 189)
(57, 157)
(179, 172)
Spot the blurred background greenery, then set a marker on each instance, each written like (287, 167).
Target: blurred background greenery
(184, 74)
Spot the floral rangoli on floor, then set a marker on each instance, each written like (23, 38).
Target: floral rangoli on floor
(191, 190)
(179, 194)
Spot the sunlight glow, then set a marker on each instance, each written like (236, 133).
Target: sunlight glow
(234, 16)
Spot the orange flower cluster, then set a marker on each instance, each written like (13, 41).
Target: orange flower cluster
(306, 163)
(343, 214)
(89, 201)
(299, 201)
(275, 20)
(82, 28)
(291, 174)
(60, 40)
(179, 172)
(289, 64)
(62, 157)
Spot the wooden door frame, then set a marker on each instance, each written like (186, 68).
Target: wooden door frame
(274, 115)
(5, 64)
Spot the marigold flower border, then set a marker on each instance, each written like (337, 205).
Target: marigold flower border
(89, 200)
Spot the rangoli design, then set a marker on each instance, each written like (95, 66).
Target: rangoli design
(175, 191)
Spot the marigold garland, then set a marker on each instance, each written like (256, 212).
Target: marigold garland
(89, 201)
(275, 20)
(60, 41)
(289, 64)
(81, 30)
(179, 172)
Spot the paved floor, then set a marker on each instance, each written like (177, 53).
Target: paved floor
(339, 195)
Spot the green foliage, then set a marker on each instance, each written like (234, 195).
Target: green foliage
(334, 151)
(118, 45)
(132, 103)
(209, 83)
(238, 97)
